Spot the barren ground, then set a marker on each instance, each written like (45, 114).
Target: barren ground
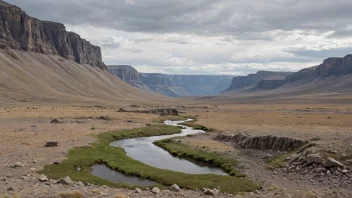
(25, 129)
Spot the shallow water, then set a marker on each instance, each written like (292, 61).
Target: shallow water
(105, 172)
(143, 150)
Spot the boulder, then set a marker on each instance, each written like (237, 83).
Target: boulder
(331, 162)
(209, 192)
(65, 181)
(175, 188)
(138, 190)
(314, 158)
(155, 190)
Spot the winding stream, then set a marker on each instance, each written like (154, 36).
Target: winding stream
(143, 150)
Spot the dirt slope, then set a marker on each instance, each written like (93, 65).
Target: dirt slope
(33, 77)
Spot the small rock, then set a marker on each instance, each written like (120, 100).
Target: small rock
(81, 184)
(345, 171)
(175, 188)
(43, 178)
(25, 178)
(138, 190)
(78, 169)
(155, 190)
(18, 165)
(34, 161)
(57, 162)
(65, 181)
(331, 162)
(32, 169)
(51, 144)
(56, 121)
(10, 189)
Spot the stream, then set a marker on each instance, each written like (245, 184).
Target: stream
(143, 150)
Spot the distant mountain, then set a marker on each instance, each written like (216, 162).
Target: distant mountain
(173, 85)
(265, 80)
(333, 75)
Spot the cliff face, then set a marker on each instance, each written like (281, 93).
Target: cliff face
(330, 67)
(270, 84)
(163, 84)
(173, 85)
(21, 32)
(252, 80)
(127, 74)
(200, 85)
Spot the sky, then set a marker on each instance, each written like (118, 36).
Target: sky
(234, 37)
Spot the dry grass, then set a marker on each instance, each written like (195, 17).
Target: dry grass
(121, 196)
(70, 194)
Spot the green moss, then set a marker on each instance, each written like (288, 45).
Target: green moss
(116, 158)
(279, 161)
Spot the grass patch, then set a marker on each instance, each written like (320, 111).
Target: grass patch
(116, 158)
(181, 150)
(279, 161)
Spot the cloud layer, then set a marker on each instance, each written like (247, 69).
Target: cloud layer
(206, 36)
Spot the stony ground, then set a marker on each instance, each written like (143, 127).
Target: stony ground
(25, 130)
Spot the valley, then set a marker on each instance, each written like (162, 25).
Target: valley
(74, 127)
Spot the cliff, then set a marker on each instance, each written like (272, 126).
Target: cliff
(163, 84)
(252, 80)
(21, 32)
(128, 74)
(173, 85)
(329, 67)
(270, 84)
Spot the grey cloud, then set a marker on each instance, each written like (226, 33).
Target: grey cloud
(205, 17)
(321, 53)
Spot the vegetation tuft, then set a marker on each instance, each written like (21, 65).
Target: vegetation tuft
(116, 159)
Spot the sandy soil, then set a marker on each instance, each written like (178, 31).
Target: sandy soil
(25, 129)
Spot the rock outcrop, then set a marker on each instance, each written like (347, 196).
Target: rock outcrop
(21, 32)
(164, 111)
(261, 142)
(128, 74)
(273, 79)
(330, 67)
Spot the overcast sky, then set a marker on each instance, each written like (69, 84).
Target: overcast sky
(234, 37)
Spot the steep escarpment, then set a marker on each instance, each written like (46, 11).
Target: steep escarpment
(329, 67)
(128, 74)
(172, 85)
(21, 32)
(163, 84)
(200, 85)
(252, 80)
